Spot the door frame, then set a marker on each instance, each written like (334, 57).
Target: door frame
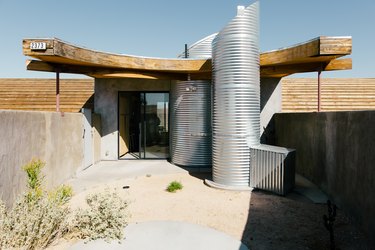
(144, 139)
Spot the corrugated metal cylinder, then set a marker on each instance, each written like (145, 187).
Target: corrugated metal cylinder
(201, 49)
(190, 123)
(190, 114)
(236, 98)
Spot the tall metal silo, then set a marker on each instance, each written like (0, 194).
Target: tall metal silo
(190, 115)
(236, 98)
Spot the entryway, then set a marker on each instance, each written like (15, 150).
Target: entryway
(143, 125)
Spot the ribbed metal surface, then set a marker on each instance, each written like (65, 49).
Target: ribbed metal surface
(236, 97)
(200, 49)
(270, 169)
(190, 123)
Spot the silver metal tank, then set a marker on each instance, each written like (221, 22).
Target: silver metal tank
(190, 115)
(190, 125)
(236, 98)
(201, 49)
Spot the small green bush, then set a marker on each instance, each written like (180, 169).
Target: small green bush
(34, 178)
(62, 194)
(174, 186)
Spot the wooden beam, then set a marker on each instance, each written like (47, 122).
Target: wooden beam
(62, 52)
(97, 72)
(285, 70)
(304, 57)
(104, 73)
(335, 45)
(305, 52)
(52, 67)
(339, 64)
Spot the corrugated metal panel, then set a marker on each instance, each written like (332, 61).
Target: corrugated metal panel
(236, 97)
(200, 49)
(190, 123)
(272, 168)
(191, 135)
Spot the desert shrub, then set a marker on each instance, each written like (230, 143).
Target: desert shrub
(39, 217)
(105, 218)
(34, 178)
(33, 224)
(61, 195)
(174, 186)
(33, 171)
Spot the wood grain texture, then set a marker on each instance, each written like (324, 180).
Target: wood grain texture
(298, 94)
(65, 53)
(324, 65)
(303, 57)
(39, 94)
(338, 94)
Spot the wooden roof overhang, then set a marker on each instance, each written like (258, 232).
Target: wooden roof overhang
(319, 54)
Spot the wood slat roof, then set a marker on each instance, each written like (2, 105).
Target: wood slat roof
(320, 53)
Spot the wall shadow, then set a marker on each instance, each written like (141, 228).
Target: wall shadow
(294, 222)
(269, 136)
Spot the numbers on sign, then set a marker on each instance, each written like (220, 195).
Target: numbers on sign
(38, 46)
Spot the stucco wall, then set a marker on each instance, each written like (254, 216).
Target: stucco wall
(270, 103)
(336, 151)
(57, 140)
(106, 104)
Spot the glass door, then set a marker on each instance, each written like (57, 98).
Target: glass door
(154, 125)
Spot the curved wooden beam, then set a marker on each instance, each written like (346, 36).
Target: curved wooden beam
(61, 52)
(316, 54)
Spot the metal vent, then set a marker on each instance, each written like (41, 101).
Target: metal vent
(272, 168)
(236, 98)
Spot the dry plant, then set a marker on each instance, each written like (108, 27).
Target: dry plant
(105, 218)
(39, 217)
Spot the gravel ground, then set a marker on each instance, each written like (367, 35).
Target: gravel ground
(294, 222)
(260, 220)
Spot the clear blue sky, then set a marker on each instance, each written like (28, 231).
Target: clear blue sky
(161, 28)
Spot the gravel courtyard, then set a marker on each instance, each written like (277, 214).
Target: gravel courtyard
(259, 219)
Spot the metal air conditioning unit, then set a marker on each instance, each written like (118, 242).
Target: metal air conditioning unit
(272, 168)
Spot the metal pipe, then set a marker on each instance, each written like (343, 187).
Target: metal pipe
(57, 90)
(186, 51)
(319, 92)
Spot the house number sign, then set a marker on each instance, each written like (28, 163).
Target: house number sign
(38, 46)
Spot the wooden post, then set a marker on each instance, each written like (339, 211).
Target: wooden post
(57, 90)
(319, 92)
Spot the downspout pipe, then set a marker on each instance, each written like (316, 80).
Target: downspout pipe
(57, 90)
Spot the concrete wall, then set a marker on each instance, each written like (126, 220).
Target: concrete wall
(270, 103)
(106, 104)
(336, 151)
(48, 136)
(96, 131)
